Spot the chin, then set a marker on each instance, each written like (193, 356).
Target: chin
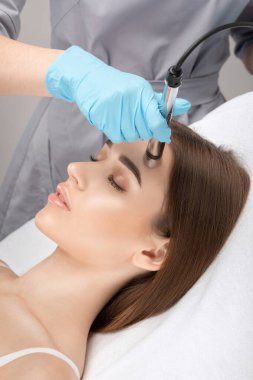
(45, 221)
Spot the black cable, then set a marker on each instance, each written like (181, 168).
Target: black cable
(174, 78)
(231, 25)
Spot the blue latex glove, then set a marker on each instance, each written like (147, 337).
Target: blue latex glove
(121, 105)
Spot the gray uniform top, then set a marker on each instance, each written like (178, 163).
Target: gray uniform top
(143, 37)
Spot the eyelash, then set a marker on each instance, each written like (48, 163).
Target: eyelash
(110, 178)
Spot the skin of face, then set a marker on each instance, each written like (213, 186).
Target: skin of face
(105, 228)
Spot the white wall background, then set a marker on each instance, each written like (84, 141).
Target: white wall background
(15, 112)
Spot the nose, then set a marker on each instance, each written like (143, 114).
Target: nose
(75, 171)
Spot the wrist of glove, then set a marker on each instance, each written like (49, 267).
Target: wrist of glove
(121, 105)
(67, 71)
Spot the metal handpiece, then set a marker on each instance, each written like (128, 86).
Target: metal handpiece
(154, 151)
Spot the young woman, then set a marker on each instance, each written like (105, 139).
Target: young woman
(131, 241)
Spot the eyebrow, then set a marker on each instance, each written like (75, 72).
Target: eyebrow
(128, 163)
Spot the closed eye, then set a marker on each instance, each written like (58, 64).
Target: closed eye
(110, 178)
(128, 163)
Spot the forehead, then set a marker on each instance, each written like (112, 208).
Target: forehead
(136, 151)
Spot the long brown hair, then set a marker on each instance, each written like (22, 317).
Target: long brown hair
(207, 190)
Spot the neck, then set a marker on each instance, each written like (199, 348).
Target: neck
(65, 295)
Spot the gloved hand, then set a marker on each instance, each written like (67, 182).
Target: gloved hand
(121, 105)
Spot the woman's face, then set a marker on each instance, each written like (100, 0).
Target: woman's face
(106, 225)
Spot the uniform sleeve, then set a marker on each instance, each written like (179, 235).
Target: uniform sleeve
(243, 36)
(10, 17)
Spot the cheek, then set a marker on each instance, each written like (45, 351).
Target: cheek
(105, 216)
(107, 230)
(97, 223)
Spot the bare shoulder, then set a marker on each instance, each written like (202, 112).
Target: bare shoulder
(37, 366)
(19, 329)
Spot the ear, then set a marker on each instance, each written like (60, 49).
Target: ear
(151, 259)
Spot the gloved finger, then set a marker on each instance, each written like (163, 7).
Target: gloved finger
(114, 134)
(180, 106)
(136, 128)
(142, 127)
(141, 124)
(161, 104)
(163, 134)
(128, 132)
(107, 122)
(156, 122)
(128, 128)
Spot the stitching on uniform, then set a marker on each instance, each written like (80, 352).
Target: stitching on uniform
(65, 15)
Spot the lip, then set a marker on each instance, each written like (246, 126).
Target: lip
(61, 188)
(54, 199)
